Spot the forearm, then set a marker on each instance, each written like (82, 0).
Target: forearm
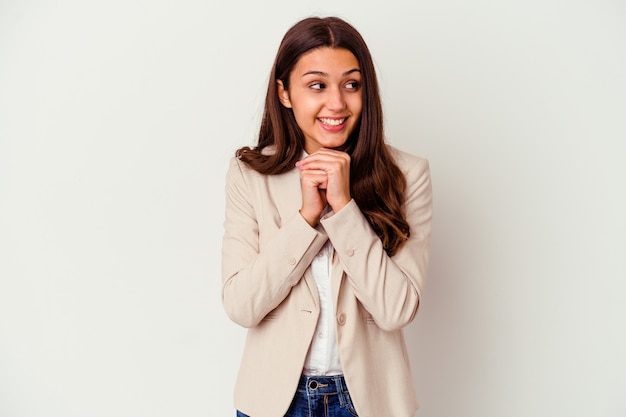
(258, 277)
(389, 288)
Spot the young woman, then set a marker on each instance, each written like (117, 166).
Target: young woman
(327, 237)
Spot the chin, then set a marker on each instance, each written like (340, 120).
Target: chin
(345, 145)
(338, 144)
(341, 147)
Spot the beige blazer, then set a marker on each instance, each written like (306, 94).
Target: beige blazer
(268, 288)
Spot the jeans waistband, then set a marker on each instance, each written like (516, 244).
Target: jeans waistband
(322, 385)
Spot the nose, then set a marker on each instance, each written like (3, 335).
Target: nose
(335, 100)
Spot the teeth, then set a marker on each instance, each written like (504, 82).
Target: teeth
(332, 122)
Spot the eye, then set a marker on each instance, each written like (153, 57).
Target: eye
(353, 85)
(317, 86)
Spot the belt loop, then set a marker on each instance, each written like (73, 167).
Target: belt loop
(340, 390)
(337, 379)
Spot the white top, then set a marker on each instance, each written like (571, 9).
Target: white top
(323, 356)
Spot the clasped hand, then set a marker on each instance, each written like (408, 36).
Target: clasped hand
(324, 178)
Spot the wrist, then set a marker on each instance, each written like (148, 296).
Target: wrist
(339, 205)
(312, 220)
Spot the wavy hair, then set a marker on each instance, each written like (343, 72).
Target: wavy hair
(376, 183)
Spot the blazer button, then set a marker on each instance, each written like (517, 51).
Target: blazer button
(350, 252)
(291, 260)
(341, 319)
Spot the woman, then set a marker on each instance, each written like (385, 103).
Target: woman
(327, 237)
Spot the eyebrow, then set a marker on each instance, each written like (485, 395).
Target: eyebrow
(323, 74)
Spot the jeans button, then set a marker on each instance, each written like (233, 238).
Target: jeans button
(312, 384)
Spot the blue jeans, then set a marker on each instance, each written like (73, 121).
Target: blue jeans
(320, 397)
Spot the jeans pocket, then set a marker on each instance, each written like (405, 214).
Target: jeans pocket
(348, 404)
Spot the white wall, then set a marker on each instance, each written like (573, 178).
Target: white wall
(116, 123)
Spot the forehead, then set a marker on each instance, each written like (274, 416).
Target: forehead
(329, 61)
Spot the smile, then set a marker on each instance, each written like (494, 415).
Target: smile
(332, 122)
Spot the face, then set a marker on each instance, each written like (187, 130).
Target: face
(326, 97)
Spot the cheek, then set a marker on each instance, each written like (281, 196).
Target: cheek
(300, 115)
(356, 104)
(304, 112)
(304, 120)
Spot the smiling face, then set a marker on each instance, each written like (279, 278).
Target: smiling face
(326, 97)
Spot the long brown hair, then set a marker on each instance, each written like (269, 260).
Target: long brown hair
(376, 183)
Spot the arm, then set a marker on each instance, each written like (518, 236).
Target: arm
(256, 279)
(388, 288)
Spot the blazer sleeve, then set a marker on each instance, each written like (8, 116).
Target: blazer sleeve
(389, 288)
(256, 279)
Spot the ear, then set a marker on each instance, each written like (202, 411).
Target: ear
(283, 95)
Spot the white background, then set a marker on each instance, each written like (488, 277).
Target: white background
(117, 120)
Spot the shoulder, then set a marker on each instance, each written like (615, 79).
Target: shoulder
(240, 172)
(410, 165)
(418, 197)
(238, 166)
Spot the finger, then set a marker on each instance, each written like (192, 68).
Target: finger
(317, 179)
(314, 175)
(331, 156)
(312, 171)
(325, 154)
(326, 165)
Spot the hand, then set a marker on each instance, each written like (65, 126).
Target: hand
(325, 178)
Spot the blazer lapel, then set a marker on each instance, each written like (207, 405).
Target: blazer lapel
(286, 194)
(336, 278)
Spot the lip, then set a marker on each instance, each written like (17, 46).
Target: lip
(332, 127)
